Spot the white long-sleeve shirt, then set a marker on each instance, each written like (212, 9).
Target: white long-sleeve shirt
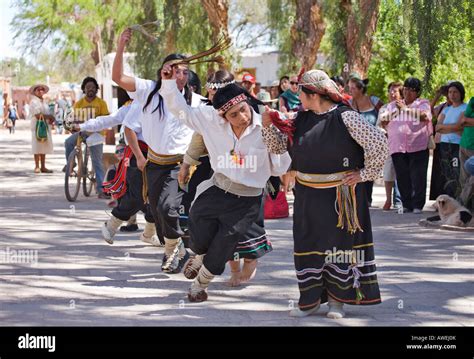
(257, 165)
(165, 135)
(125, 114)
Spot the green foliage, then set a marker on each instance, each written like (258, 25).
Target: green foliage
(333, 42)
(429, 39)
(434, 45)
(281, 16)
(394, 55)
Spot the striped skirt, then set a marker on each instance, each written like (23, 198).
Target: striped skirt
(330, 261)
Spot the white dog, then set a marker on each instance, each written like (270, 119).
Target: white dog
(452, 213)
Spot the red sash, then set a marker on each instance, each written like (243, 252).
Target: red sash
(118, 185)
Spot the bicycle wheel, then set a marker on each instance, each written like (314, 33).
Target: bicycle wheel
(89, 180)
(72, 179)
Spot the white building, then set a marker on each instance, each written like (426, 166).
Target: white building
(103, 73)
(265, 64)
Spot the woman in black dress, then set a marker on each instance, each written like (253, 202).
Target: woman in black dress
(332, 150)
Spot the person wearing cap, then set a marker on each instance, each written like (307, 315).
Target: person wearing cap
(39, 108)
(248, 83)
(226, 206)
(409, 130)
(274, 92)
(289, 100)
(265, 97)
(167, 139)
(333, 151)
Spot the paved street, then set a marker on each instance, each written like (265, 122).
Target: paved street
(76, 279)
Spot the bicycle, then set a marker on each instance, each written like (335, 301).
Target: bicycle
(79, 169)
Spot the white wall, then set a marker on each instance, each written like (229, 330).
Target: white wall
(103, 73)
(265, 63)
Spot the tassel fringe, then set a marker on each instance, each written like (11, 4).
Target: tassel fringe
(347, 209)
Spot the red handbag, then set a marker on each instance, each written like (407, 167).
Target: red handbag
(276, 208)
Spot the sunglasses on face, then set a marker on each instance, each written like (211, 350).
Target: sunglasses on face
(293, 83)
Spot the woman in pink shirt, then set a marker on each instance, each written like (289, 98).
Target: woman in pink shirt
(408, 130)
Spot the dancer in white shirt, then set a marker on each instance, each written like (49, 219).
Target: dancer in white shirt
(126, 186)
(167, 139)
(227, 205)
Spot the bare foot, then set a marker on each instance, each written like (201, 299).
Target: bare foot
(249, 270)
(234, 280)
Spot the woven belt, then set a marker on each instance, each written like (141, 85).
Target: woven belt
(157, 159)
(346, 202)
(164, 160)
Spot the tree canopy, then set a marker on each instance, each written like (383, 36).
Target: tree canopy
(384, 40)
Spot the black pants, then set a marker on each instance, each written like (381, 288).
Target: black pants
(164, 196)
(217, 221)
(411, 169)
(132, 201)
(450, 169)
(202, 173)
(369, 186)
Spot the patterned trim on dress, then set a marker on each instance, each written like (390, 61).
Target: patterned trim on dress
(378, 300)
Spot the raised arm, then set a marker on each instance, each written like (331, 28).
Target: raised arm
(196, 118)
(125, 81)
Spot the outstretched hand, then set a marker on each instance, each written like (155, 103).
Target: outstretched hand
(266, 118)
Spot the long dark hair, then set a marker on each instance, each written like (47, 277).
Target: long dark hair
(187, 90)
(280, 90)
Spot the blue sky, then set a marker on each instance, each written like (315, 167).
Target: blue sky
(6, 46)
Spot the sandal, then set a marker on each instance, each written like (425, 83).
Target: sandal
(45, 170)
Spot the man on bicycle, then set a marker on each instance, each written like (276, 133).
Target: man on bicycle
(90, 106)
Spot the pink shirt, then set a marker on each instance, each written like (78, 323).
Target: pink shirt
(406, 133)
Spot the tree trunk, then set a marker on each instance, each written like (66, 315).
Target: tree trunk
(307, 32)
(172, 19)
(96, 40)
(217, 12)
(361, 25)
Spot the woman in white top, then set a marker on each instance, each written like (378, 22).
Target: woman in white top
(228, 204)
(40, 109)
